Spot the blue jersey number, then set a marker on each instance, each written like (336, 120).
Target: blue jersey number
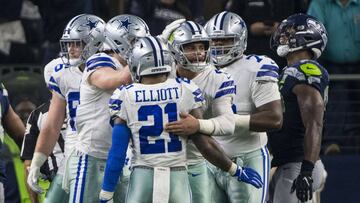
(73, 102)
(157, 146)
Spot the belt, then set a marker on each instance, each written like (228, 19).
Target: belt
(175, 168)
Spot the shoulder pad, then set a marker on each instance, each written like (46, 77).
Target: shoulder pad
(310, 68)
(100, 60)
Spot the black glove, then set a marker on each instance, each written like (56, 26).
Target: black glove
(303, 183)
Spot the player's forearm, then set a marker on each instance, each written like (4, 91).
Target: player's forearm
(117, 154)
(14, 126)
(265, 121)
(211, 151)
(223, 121)
(312, 141)
(47, 139)
(312, 116)
(267, 116)
(113, 80)
(218, 126)
(33, 196)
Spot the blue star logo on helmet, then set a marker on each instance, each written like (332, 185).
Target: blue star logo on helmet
(124, 24)
(87, 25)
(91, 24)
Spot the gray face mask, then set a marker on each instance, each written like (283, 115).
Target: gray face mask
(282, 50)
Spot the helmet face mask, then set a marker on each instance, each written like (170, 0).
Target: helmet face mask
(195, 54)
(72, 51)
(191, 46)
(149, 56)
(228, 34)
(299, 32)
(85, 34)
(122, 31)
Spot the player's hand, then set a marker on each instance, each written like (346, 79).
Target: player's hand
(170, 28)
(186, 126)
(303, 186)
(33, 177)
(106, 197)
(249, 175)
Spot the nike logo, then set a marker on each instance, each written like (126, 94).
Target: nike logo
(195, 174)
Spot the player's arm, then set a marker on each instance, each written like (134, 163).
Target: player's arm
(47, 139)
(311, 107)
(28, 148)
(14, 126)
(116, 159)
(212, 152)
(107, 78)
(33, 195)
(268, 113)
(221, 124)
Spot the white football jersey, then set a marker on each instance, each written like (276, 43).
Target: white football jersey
(93, 117)
(65, 82)
(215, 85)
(146, 109)
(251, 74)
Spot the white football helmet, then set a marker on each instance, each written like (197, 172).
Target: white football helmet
(189, 32)
(227, 25)
(85, 31)
(150, 55)
(122, 30)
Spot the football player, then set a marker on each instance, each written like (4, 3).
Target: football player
(256, 105)
(304, 88)
(190, 44)
(101, 76)
(141, 109)
(82, 37)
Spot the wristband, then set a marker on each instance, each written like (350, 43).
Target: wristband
(206, 126)
(242, 121)
(233, 169)
(306, 167)
(38, 159)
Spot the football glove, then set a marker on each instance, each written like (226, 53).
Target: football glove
(170, 28)
(303, 183)
(249, 176)
(34, 171)
(106, 197)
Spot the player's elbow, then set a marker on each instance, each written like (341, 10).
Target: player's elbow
(277, 120)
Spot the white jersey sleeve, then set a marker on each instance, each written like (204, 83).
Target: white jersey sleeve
(97, 61)
(56, 67)
(49, 69)
(263, 93)
(269, 70)
(116, 103)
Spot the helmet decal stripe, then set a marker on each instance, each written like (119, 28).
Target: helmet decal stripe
(191, 27)
(154, 51)
(214, 26)
(196, 27)
(222, 20)
(160, 50)
(219, 18)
